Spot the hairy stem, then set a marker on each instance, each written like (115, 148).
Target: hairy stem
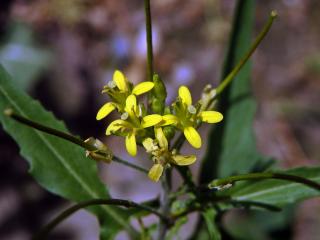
(43, 233)
(68, 137)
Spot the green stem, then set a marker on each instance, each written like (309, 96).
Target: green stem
(224, 182)
(51, 131)
(147, 11)
(66, 213)
(68, 137)
(242, 62)
(165, 204)
(198, 206)
(128, 164)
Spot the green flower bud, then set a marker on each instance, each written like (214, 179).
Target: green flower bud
(157, 105)
(167, 110)
(169, 132)
(159, 90)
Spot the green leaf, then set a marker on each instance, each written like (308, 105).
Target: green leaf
(232, 147)
(277, 192)
(209, 216)
(59, 166)
(243, 226)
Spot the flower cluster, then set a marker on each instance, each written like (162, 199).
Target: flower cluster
(152, 129)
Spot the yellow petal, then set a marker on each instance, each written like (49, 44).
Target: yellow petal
(131, 105)
(162, 140)
(211, 116)
(142, 88)
(184, 160)
(151, 120)
(116, 125)
(155, 172)
(192, 136)
(148, 144)
(185, 95)
(105, 110)
(169, 119)
(131, 144)
(120, 80)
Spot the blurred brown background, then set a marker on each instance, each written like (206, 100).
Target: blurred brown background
(63, 52)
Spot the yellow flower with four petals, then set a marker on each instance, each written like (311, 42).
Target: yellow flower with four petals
(118, 90)
(132, 124)
(188, 116)
(162, 156)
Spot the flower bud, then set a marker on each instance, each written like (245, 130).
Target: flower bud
(169, 132)
(157, 105)
(158, 95)
(159, 90)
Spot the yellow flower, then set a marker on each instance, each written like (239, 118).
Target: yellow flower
(118, 90)
(189, 116)
(132, 123)
(161, 155)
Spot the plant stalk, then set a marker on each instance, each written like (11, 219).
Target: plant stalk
(244, 60)
(229, 181)
(68, 137)
(43, 233)
(165, 205)
(147, 10)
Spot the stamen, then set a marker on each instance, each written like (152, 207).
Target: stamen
(140, 111)
(111, 84)
(192, 109)
(124, 116)
(212, 93)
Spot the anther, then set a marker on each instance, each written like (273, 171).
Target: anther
(111, 84)
(192, 109)
(124, 116)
